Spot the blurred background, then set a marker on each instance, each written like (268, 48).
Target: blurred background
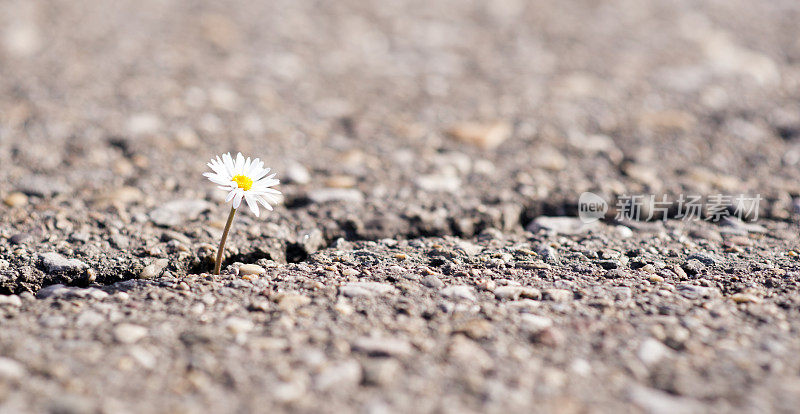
(387, 120)
(403, 111)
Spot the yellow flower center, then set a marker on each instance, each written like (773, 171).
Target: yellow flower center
(245, 183)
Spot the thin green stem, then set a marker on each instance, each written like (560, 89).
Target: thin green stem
(221, 249)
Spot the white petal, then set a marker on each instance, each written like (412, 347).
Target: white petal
(270, 198)
(266, 182)
(230, 196)
(265, 193)
(220, 180)
(238, 199)
(218, 168)
(265, 190)
(258, 165)
(265, 204)
(251, 202)
(246, 166)
(228, 160)
(256, 169)
(261, 174)
(212, 174)
(237, 167)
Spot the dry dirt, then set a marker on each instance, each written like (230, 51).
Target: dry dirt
(427, 255)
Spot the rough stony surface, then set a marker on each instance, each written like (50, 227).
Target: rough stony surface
(427, 255)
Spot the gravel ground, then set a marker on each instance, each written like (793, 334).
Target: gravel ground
(426, 256)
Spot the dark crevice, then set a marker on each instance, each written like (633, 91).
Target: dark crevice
(788, 133)
(296, 202)
(351, 230)
(530, 212)
(293, 253)
(296, 253)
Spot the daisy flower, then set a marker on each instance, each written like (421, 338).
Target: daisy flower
(243, 179)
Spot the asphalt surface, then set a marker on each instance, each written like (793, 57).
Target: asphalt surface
(427, 255)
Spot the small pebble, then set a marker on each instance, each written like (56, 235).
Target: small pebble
(21, 238)
(475, 329)
(344, 374)
(651, 351)
(154, 269)
(11, 369)
(486, 136)
(373, 346)
(377, 371)
(291, 301)
(535, 323)
(127, 333)
(516, 292)
(457, 292)
(238, 325)
(432, 281)
(551, 337)
(341, 181)
(343, 308)
(16, 199)
(56, 263)
(349, 271)
(327, 195)
(251, 269)
(10, 300)
(366, 289)
(52, 290)
(745, 298)
(533, 265)
(297, 173)
(558, 295)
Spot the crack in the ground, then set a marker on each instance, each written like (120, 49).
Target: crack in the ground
(29, 275)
